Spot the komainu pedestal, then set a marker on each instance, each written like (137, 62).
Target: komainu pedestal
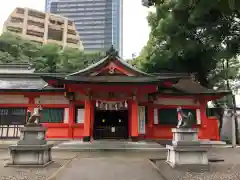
(186, 149)
(32, 148)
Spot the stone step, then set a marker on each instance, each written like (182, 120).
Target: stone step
(4, 144)
(109, 145)
(77, 149)
(213, 143)
(203, 142)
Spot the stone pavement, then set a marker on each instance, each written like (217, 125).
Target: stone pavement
(8, 173)
(120, 165)
(218, 169)
(109, 166)
(87, 166)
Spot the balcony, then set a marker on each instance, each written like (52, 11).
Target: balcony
(56, 20)
(76, 46)
(75, 37)
(16, 15)
(16, 25)
(72, 28)
(56, 27)
(54, 42)
(34, 38)
(35, 28)
(36, 19)
(14, 29)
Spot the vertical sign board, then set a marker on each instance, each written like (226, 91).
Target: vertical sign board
(80, 115)
(66, 115)
(141, 119)
(198, 113)
(155, 116)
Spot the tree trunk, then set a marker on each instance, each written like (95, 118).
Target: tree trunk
(233, 103)
(219, 112)
(235, 118)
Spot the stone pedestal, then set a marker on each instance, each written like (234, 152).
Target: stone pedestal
(186, 150)
(32, 148)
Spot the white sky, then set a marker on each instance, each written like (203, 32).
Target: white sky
(135, 26)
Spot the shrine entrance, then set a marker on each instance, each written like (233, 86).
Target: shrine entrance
(110, 121)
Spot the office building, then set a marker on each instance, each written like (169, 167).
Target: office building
(98, 21)
(43, 27)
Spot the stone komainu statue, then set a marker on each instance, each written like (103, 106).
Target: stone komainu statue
(185, 121)
(35, 117)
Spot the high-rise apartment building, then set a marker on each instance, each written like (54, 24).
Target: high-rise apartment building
(100, 22)
(43, 27)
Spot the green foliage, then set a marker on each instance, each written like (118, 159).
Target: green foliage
(44, 58)
(193, 36)
(196, 36)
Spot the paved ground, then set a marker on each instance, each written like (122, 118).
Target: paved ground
(122, 166)
(88, 166)
(7, 173)
(109, 166)
(226, 170)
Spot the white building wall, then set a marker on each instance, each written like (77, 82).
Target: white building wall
(176, 101)
(13, 99)
(52, 99)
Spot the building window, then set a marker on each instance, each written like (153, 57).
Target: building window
(52, 115)
(13, 116)
(169, 116)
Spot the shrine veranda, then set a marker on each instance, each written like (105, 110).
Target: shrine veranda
(107, 100)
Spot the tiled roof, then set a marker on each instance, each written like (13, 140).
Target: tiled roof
(21, 83)
(189, 86)
(27, 81)
(110, 79)
(104, 61)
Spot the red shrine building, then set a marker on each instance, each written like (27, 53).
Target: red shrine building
(107, 100)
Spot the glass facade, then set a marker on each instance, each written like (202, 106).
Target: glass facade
(99, 22)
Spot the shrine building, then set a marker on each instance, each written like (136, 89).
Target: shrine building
(107, 100)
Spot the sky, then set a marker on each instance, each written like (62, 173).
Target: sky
(135, 26)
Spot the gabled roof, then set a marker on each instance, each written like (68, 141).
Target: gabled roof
(110, 79)
(16, 68)
(25, 82)
(111, 56)
(188, 86)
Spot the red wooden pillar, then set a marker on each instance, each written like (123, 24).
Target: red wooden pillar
(150, 123)
(71, 119)
(203, 115)
(130, 118)
(92, 116)
(134, 119)
(87, 120)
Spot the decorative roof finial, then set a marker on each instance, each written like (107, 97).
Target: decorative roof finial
(112, 52)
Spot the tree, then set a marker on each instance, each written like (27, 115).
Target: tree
(44, 58)
(47, 59)
(195, 36)
(192, 38)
